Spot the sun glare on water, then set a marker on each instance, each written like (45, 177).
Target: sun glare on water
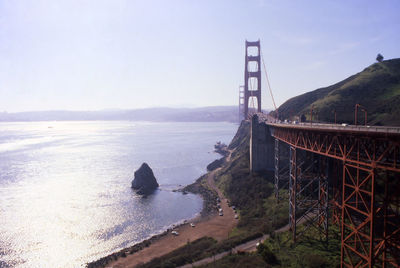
(65, 198)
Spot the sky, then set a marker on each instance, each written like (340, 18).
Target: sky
(120, 54)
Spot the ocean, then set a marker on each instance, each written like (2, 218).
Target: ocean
(65, 196)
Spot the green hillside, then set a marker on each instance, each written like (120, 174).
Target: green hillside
(377, 88)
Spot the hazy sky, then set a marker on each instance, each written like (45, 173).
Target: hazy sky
(89, 55)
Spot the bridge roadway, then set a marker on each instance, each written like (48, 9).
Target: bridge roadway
(375, 147)
(379, 130)
(328, 127)
(365, 199)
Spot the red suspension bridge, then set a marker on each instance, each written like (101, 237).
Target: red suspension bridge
(334, 174)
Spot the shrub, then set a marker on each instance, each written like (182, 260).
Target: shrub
(267, 255)
(314, 261)
(168, 264)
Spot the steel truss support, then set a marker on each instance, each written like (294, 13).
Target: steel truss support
(369, 199)
(293, 192)
(323, 195)
(382, 151)
(388, 223)
(281, 170)
(308, 192)
(370, 218)
(336, 186)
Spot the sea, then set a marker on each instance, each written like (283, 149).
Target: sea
(65, 196)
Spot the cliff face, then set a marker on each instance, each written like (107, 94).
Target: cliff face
(144, 182)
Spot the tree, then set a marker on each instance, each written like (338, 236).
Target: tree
(267, 255)
(379, 58)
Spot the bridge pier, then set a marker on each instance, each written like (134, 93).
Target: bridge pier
(261, 146)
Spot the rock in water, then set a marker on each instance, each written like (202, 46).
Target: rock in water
(144, 182)
(221, 148)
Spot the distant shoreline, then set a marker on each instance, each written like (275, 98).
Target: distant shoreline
(201, 114)
(115, 120)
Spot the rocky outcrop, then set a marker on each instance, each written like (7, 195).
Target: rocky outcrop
(144, 182)
(215, 164)
(221, 148)
(209, 195)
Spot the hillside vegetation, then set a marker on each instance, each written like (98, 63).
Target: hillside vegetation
(376, 88)
(251, 193)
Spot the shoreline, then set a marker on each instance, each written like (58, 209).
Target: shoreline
(209, 209)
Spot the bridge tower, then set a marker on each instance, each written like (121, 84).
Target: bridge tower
(252, 71)
(241, 103)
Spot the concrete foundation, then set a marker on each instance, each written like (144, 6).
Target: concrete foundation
(262, 146)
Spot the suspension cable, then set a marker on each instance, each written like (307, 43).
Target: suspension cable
(269, 85)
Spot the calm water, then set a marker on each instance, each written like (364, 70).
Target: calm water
(65, 196)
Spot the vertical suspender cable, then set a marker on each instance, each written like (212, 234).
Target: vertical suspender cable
(269, 86)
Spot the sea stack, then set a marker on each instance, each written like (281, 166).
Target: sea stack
(144, 182)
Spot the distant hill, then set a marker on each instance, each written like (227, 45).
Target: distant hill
(377, 88)
(203, 114)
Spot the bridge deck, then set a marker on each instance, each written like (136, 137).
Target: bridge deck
(379, 130)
